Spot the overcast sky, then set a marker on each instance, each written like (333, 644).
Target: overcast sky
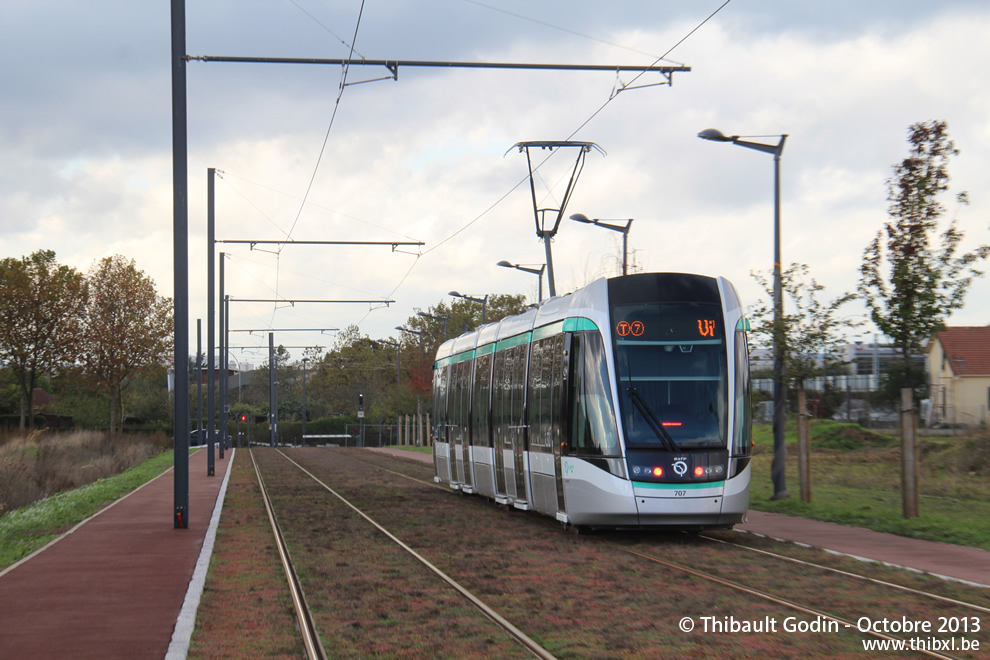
(85, 142)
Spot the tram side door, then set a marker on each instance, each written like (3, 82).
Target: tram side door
(500, 421)
(467, 380)
(518, 428)
(458, 412)
(562, 412)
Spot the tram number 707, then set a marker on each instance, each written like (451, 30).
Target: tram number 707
(680, 493)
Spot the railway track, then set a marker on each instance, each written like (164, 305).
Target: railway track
(305, 619)
(682, 562)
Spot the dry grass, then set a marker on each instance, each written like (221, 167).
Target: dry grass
(38, 464)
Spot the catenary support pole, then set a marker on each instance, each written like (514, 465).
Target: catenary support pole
(211, 331)
(223, 365)
(180, 258)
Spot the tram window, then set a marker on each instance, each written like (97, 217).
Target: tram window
(458, 406)
(593, 429)
(545, 380)
(507, 396)
(480, 397)
(742, 438)
(671, 371)
(440, 377)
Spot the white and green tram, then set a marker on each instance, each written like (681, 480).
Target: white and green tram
(624, 404)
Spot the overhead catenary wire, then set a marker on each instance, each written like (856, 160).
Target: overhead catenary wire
(550, 155)
(562, 29)
(325, 27)
(323, 147)
(297, 198)
(494, 204)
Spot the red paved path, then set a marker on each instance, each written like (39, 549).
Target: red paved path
(114, 587)
(954, 561)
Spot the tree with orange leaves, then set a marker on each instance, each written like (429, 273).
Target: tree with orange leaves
(128, 329)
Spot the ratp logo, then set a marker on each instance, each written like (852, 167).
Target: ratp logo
(568, 468)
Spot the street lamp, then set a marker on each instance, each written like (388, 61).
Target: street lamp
(538, 272)
(580, 217)
(777, 474)
(445, 319)
(483, 301)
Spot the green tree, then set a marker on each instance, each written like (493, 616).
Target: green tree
(910, 283)
(811, 330)
(129, 329)
(41, 303)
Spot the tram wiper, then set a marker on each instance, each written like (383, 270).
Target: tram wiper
(651, 419)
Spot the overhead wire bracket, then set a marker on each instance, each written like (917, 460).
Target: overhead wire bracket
(620, 86)
(391, 66)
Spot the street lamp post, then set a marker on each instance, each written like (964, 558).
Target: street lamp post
(483, 301)
(580, 217)
(535, 271)
(777, 474)
(445, 319)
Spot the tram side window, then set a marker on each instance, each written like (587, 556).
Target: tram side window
(742, 441)
(545, 380)
(458, 407)
(593, 429)
(480, 396)
(507, 396)
(440, 403)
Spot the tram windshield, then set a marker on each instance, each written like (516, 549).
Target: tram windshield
(671, 373)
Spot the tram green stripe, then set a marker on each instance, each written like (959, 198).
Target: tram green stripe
(461, 357)
(512, 342)
(567, 325)
(688, 486)
(548, 330)
(579, 325)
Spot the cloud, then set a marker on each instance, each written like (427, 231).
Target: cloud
(87, 122)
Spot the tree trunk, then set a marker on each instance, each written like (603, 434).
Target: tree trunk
(24, 406)
(909, 459)
(804, 447)
(113, 411)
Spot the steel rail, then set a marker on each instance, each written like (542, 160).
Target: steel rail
(311, 639)
(917, 592)
(770, 597)
(503, 623)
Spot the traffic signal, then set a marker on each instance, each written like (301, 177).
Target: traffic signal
(242, 418)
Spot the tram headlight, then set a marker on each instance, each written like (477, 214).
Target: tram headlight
(699, 471)
(658, 471)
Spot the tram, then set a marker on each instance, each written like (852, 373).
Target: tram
(624, 404)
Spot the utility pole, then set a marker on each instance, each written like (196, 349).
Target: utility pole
(180, 259)
(272, 395)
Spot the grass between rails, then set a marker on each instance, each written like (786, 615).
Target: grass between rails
(855, 480)
(245, 611)
(25, 530)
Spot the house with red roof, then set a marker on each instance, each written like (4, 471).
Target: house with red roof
(958, 361)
